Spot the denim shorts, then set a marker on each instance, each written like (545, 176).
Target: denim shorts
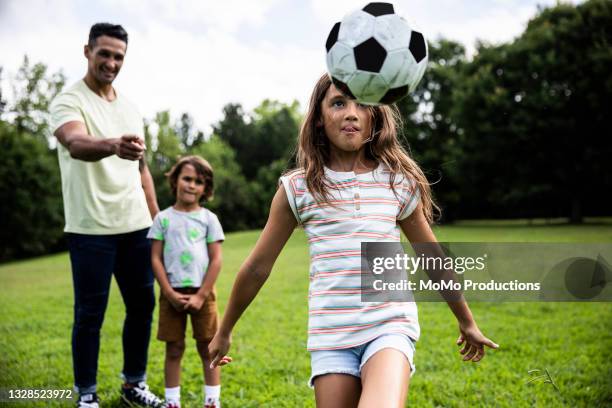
(351, 360)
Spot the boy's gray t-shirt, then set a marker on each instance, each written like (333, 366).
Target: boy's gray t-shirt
(185, 236)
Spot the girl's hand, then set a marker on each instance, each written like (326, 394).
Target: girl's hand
(218, 348)
(474, 342)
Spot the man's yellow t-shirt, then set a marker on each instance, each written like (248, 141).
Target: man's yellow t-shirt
(105, 196)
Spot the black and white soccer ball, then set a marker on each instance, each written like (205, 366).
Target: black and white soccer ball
(374, 56)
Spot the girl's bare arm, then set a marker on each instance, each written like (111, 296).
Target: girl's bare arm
(255, 270)
(417, 230)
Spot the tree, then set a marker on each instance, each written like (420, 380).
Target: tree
(164, 148)
(264, 145)
(532, 113)
(2, 100)
(430, 133)
(237, 130)
(269, 134)
(188, 135)
(276, 131)
(30, 195)
(33, 91)
(233, 200)
(30, 192)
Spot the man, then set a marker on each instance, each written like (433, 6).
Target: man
(109, 199)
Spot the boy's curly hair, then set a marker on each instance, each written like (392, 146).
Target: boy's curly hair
(201, 166)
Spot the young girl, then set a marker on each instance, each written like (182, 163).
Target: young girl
(186, 259)
(354, 183)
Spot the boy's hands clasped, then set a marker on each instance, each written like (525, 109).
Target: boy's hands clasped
(195, 302)
(473, 342)
(177, 299)
(182, 302)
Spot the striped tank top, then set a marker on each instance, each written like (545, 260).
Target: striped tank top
(365, 210)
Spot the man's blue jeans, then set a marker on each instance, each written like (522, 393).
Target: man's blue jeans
(95, 258)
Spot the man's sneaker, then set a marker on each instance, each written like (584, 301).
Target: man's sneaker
(88, 401)
(140, 396)
(171, 404)
(212, 402)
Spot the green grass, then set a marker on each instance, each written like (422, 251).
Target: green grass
(573, 341)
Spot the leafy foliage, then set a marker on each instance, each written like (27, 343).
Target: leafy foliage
(270, 133)
(30, 195)
(30, 192)
(535, 110)
(233, 198)
(429, 129)
(33, 91)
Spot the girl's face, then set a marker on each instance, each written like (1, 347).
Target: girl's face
(346, 122)
(189, 186)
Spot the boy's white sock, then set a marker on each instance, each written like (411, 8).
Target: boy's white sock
(173, 395)
(212, 391)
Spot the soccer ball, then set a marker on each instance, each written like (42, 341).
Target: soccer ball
(374, 56)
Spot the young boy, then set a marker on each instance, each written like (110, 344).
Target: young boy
(186, 259)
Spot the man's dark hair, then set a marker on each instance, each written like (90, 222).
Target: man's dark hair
(111, 30)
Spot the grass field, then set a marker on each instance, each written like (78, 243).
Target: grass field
(573, 341)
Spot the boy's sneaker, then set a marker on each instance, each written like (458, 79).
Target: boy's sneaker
(140, 396)
(88, 401)
(171, 404)
(212, 403)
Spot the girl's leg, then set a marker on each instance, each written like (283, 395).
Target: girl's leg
(172, 366)
(384, 378)
(337, 390)
(212, 376)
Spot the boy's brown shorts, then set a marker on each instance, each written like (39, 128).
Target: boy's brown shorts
(172, 323)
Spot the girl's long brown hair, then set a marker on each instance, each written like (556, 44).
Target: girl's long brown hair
(384, 147)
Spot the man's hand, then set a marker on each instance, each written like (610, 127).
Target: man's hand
(475, 341)
(130, 147)
(177, 300)
(75, 138)
(218, 348)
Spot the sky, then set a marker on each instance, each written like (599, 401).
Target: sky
(196, 56)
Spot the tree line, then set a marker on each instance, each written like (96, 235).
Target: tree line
(519, 130)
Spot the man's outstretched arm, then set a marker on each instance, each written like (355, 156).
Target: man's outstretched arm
(82, 146)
